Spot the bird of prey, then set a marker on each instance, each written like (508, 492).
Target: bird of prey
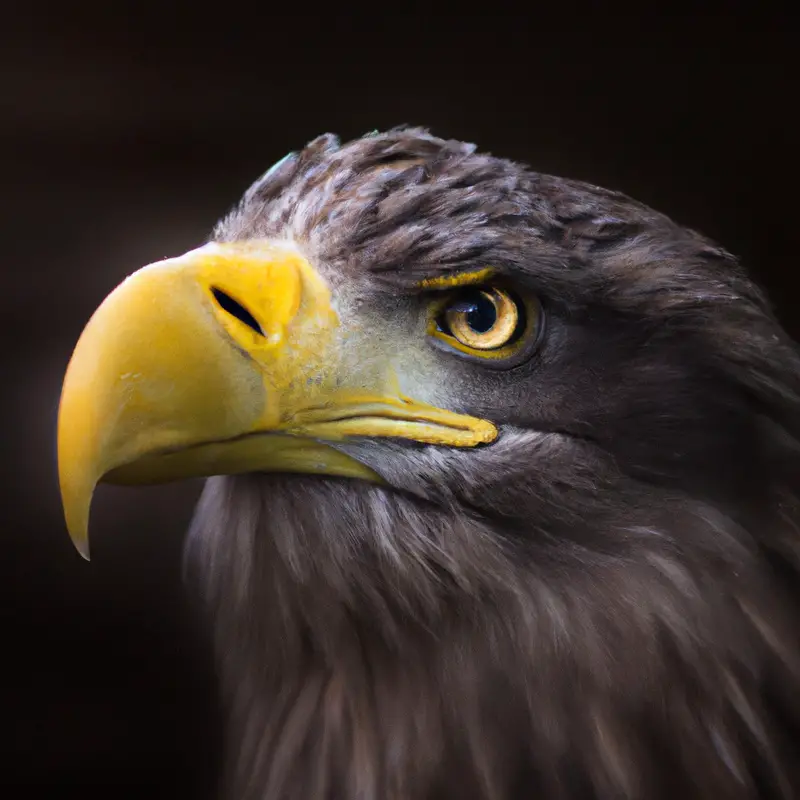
(503, 482)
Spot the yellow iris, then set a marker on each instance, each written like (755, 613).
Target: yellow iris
(486, 321)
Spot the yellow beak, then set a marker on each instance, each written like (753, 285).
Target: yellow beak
(229, 359)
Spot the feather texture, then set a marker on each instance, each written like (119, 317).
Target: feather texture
(601, 604)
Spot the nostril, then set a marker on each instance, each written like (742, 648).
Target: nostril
(236, 309)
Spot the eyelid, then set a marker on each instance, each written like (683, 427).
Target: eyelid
(458, 280)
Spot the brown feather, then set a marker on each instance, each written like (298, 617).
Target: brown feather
(601, 604)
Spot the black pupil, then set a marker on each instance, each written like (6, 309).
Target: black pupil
(481, 313)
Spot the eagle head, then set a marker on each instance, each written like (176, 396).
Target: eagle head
(503, 483)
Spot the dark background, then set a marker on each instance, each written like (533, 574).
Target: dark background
(125, 134)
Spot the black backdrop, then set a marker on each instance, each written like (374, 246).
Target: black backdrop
(126, 131)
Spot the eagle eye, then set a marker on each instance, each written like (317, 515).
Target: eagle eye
(485, 322)
(483, 319)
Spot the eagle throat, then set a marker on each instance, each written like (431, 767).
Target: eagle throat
(370, 646)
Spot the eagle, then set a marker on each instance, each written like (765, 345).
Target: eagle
(503, 482)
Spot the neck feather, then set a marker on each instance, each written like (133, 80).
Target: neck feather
(374, 647)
